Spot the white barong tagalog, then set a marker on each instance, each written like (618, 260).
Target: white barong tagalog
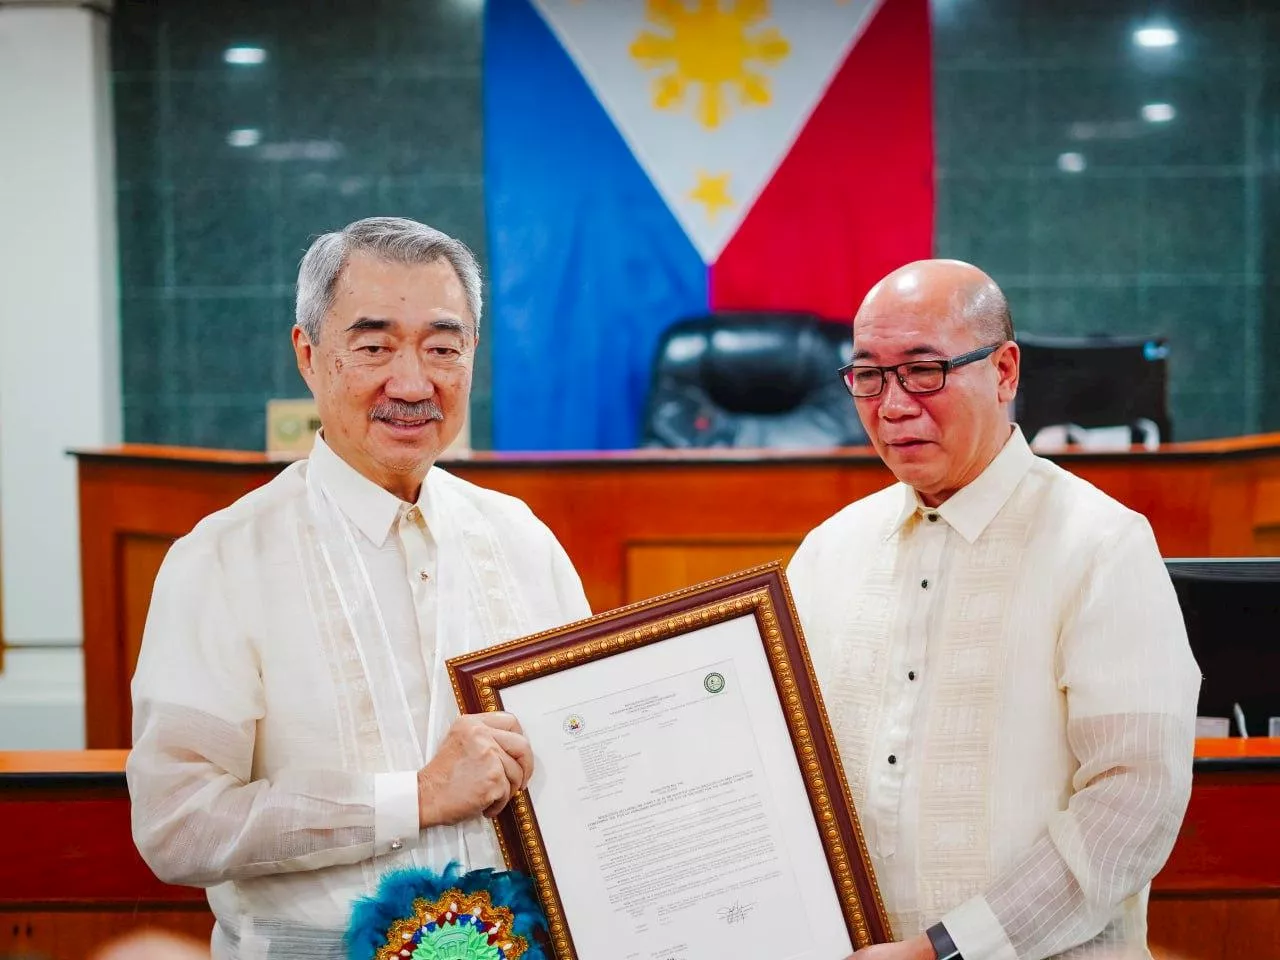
(292, 682)
(1013, 695)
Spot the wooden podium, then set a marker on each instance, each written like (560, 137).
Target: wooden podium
(635, 524)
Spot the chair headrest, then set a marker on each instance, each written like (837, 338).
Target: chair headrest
(756, 364)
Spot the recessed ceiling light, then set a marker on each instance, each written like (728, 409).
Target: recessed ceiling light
(1158, 112)
(244, 137)
(1071, 162)
(244, 56)
(1155, 37)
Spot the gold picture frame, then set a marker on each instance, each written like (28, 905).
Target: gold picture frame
(480, 678)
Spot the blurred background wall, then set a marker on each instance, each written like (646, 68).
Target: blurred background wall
(1110, 180)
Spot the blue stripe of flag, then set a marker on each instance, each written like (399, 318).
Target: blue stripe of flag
(588, 265)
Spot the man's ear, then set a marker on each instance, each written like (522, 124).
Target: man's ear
(305, 353)
(1008, 364)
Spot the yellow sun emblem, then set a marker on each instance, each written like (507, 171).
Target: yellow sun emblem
(712, 47)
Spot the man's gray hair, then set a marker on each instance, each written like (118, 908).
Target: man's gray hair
(392, 239)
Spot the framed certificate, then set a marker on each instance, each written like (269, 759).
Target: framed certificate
(687, 801)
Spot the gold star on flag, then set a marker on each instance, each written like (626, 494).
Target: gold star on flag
(713, 193)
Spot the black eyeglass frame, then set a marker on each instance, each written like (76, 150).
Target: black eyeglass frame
(973, 356)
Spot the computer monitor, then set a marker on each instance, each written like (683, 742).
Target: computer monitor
(1232, 610)
(1092, 382)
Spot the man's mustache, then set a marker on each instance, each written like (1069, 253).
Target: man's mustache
(406, 412)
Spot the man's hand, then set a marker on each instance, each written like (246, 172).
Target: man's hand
(483, 761)
(917, 948)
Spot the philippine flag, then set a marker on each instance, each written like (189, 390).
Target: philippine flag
(648, 160)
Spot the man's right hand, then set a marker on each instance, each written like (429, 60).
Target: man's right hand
(483, 761)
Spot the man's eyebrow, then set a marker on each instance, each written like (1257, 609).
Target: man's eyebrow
(369, 323)
(373, 324)
(924, 350)
(450, 325)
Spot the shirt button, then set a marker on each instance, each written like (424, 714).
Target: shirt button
(397, 844)
(924, 584)
(893, 758)
(423, 575)
(933, 518)
(911, 674)
(413, 514)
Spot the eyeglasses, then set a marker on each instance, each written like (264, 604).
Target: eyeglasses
(915, 376)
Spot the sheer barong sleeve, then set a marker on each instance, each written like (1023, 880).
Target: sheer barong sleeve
(1131, 686)
(198, 815)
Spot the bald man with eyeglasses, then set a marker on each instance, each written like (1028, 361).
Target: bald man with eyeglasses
(1000, 650)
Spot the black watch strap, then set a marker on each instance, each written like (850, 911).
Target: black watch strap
(943, 945)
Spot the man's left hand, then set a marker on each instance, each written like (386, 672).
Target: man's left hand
(917, 948)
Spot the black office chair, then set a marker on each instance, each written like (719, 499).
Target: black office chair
(751, 380)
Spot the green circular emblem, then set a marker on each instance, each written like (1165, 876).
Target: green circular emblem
(714, 682)
(454, 942)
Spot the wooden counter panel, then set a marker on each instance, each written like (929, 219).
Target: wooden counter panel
(657, 568)
(130, 511)
(74, 934)
(231, 460)
(1230, 837)
(1238, 748)
(140, 559)
(634, 523)
(69, 873)
(1214, 929)
(600, 516)
(63, 850)
(59, 762)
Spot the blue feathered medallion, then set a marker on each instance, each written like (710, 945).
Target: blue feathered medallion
(421, 915)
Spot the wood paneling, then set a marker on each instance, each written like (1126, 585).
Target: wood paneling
(1218, 896)
(70, 875)
(657, 568)
(73, 844)
(129, 510)
(1196, 929)
(75, 934)
(59, 763)
(140, 559)
(1214, 852)
(634, 523)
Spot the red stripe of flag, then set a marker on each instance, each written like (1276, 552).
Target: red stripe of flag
(853, 199)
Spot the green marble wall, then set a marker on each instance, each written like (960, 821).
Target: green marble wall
(1169, 228)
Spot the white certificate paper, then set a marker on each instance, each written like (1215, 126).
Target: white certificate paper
(671, 806)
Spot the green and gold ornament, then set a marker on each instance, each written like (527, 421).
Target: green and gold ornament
(421, 915)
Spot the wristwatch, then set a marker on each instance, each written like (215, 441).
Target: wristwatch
(943, 945)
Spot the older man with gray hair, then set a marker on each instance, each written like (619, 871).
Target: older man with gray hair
(295, 735)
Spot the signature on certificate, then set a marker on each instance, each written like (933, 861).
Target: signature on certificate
(736, 912)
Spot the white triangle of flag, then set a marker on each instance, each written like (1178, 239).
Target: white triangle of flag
(709, 94)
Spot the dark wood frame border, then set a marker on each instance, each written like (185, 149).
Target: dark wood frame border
(478, 679)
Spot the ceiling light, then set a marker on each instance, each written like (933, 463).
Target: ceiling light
(244, 56)
(1071, 162)
(1155, 37)
(1158, 112)
(244, 137)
